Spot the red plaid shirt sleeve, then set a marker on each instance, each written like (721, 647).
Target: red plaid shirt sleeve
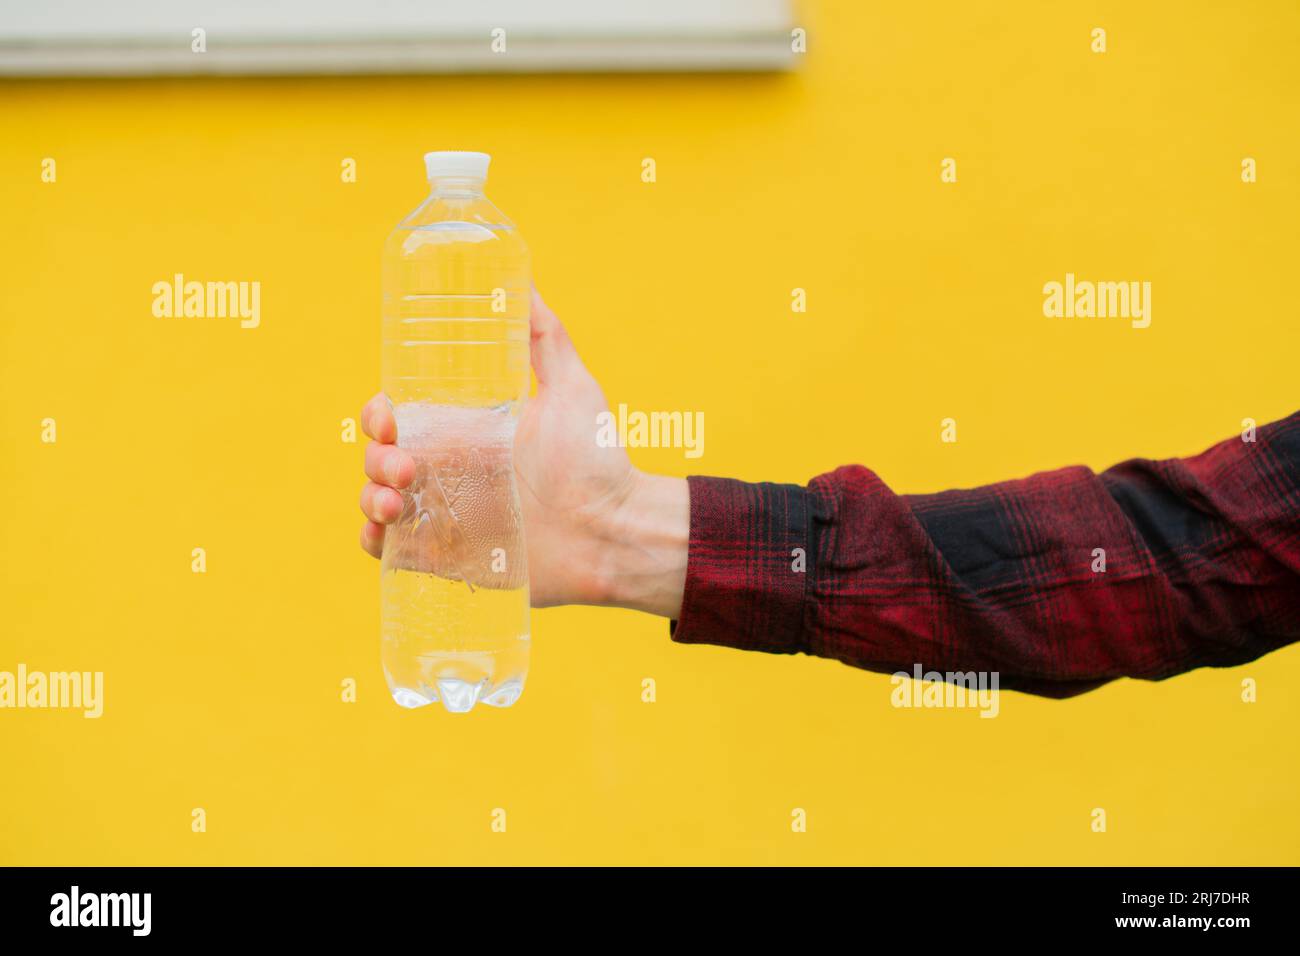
(1201, 568)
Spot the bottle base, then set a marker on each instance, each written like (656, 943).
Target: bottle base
(459, 696)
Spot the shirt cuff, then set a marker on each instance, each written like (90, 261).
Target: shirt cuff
(747, 567)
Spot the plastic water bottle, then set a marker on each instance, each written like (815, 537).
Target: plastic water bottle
(455, 366)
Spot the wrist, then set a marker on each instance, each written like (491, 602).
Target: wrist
(644, 547)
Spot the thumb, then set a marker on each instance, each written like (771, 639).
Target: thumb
(553, 355)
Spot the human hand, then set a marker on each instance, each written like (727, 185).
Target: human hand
(597, 530)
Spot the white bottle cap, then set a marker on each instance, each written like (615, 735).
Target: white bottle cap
(457, 164)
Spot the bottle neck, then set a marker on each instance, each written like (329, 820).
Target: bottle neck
(467, 187)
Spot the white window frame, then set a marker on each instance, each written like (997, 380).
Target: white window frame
(150, 37)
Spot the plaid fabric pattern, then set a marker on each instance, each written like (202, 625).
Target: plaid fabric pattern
(1202, 568)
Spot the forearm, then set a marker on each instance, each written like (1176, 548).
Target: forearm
(1059, 582)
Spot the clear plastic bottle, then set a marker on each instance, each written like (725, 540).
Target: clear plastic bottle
(454, 572)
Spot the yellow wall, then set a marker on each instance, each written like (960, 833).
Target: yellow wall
(924, 302)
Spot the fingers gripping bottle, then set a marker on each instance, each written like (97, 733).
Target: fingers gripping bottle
(454, 572)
